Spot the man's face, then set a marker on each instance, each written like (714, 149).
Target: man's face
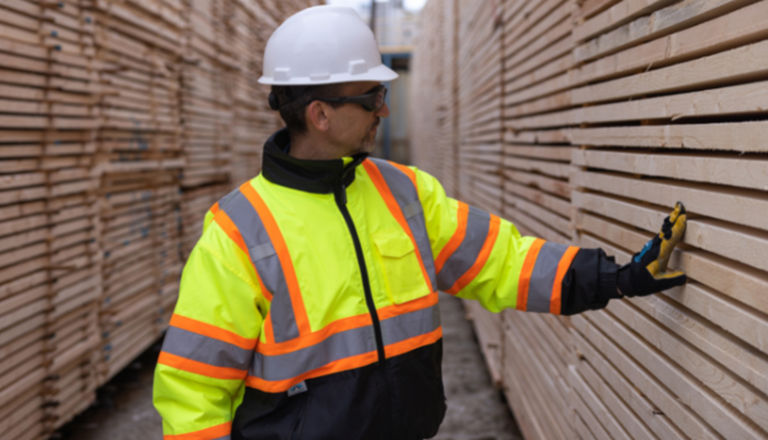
(353, 129)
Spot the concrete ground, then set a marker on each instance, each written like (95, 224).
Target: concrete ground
(476, 410)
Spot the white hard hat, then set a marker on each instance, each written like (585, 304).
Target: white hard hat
(323, 45)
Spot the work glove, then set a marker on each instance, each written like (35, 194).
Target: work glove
(647, 272)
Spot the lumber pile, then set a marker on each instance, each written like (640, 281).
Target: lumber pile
(49, 261)
(432, 102)
(479, 101)
(120, 120)
(538, 349)
(613, 110)
(207, 109)
(138, 161)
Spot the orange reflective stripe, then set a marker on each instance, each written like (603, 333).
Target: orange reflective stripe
(274, 349)
(345, 364)
(411, 306)
(190, 366)
(403, 347)
(525, 275)
(229, 228)
(211, 331)
(482, 258)
(408, 172)
(267, 294)
(211, 433)
(394, 209)
(555, 306)
(276, 237)
(215, 208)
(455, 241)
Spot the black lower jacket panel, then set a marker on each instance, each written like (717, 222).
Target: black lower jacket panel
(353, 404)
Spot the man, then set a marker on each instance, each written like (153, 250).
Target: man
(308, 309)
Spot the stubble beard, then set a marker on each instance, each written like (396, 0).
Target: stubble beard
(368, 143)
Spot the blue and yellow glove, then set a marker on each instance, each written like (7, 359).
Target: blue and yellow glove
(647, 272)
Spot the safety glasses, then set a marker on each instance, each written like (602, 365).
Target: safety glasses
(372, 101)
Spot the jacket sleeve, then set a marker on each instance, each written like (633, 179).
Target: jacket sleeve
(199, 379)
(482, 257)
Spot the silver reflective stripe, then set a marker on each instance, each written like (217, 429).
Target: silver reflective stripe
(338, 346)
(343, 345)
(409, 325)
(413, 209)
(262, 251)
(226, 437)
(251, 228)
(224, 200)
(207, 350)
(543, 276)
(465, 256)
(406, 194)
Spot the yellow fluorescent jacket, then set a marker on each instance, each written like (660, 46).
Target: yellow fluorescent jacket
(272, 294)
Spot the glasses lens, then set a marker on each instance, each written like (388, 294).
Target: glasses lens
(380, 98)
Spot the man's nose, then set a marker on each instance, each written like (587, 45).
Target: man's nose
(383, 112)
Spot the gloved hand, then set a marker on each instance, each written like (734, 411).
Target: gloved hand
(647, 272)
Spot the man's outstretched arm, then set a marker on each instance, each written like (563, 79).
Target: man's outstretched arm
(483, 257)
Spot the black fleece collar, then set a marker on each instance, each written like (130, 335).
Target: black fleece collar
(315, 176)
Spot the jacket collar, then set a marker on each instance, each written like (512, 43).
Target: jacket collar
(315, 176)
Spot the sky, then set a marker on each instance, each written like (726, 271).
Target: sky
(412, 5)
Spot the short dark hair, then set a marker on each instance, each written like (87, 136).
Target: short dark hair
(294, 100)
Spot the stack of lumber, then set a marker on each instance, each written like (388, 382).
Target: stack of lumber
(613, 110)
(138, 163)
(141, 263)
(253, 119)
(682, 98)
(432, 103)
(537, 60)
(49, 261)
(479, 103)
(108, 108)
(537, 349)
(207, 105)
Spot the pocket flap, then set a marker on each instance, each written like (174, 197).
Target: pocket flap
(393, 243)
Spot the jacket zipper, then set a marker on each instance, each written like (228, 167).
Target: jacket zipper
(340, 195)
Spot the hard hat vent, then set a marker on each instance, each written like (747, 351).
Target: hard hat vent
(357, 67)
(282, 74)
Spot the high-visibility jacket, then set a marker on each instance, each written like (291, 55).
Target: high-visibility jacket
(308, 309)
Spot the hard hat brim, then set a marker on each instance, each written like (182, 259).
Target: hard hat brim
(380, 73)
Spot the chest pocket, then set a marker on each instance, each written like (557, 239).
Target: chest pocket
(403, 277)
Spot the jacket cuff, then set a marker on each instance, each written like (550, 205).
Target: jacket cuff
(607, 287)
(590, 282)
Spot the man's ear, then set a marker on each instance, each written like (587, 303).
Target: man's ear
(318, 114)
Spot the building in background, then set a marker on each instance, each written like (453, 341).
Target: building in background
(395, 28)
(395, 25)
